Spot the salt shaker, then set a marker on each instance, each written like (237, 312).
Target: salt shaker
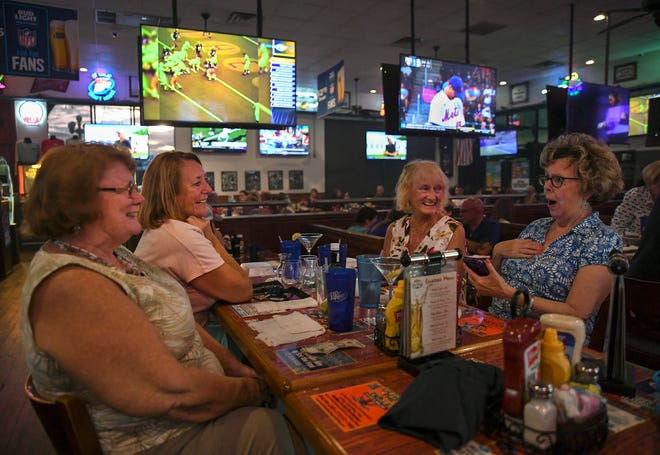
(540, 416)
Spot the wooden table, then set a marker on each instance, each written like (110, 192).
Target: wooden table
(326, 435)
(282, 379)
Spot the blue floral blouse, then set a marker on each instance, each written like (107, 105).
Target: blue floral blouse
(551, 274)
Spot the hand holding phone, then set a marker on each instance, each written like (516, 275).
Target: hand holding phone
(476, 264)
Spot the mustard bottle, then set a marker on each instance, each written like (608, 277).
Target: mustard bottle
(393, 313)
(555, 367)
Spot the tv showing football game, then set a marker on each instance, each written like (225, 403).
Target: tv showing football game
(199, 78)
(599, 110)
(503, 143)
(440, 96)
(291, 141)
(133, 137)
(219, 140)
(381, 145)
(639, 110)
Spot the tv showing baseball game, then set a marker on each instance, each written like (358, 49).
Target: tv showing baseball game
(219, 140)
(599, 110)
(291, 141)
(503, 143)
(133, 137)
(440, 96)
(381, 145)
(200, 78)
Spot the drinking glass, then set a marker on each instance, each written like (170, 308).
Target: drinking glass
(290, 273)
(308, 265)
(309, 239)
(390, 268)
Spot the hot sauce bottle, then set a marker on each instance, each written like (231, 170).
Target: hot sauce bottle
(522, 358)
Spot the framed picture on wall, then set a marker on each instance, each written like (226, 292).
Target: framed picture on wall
(253, 180)
(296, 180)
(275, 180)
(229, 180)
(210, 179)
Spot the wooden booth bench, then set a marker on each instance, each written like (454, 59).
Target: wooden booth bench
(357, 243)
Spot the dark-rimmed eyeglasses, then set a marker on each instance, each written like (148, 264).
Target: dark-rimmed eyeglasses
(131, 189)
(556, 180)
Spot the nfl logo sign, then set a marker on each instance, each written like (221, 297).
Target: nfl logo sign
(27, 38)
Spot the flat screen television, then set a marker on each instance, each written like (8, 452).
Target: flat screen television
(599, 110)
(198, 78)
(218, 140)
(503, 143)
(381, 145)
(291, 141)
(639, 112)
(439, 96)
(133, 137)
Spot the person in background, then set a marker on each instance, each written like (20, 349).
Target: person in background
(645, 265)
(638, 202)
(481, 232)
(363, 220)
(561, 260)
(531, 197)
(178, 239)
(308, 203)
(100, 324)
(380, 229)
(503, 210)
(380, 191)
(75, 139)
(421, 191)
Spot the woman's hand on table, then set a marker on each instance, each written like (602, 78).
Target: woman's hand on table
(490, 285)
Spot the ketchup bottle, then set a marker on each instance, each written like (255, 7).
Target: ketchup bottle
(522, 358)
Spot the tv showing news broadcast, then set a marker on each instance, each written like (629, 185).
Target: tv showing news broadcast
(439, 96)
(599, 110)
(199, 78)
(386, 146)
(503, 143)
(218, 140)
(133, 137)
(291, 141)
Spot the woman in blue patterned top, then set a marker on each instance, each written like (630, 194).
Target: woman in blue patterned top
(561, 260)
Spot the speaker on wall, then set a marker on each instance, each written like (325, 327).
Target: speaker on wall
(653, 130)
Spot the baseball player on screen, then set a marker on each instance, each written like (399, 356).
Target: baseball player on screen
(446, 106)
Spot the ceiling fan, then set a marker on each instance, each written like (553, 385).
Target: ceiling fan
(648, 7)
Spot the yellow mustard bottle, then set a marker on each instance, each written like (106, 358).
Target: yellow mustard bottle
(555, 366)
(393, 313)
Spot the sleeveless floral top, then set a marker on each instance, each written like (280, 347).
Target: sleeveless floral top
(167, 307)
(436, 239)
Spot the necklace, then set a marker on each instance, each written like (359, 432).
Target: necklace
(131, 267)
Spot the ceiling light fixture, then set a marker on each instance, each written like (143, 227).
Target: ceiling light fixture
(372, 91)
(502, 83)
(600, 17)
(590, 62)
(544, 91)
(83, 69)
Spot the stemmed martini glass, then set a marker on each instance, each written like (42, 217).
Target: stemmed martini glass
(390, 268)
(309, 239)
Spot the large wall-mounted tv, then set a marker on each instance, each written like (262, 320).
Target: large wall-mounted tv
(217, 140)
(639, 111)
(381, 145)
(599, 110)
(134, 137)
(291, 141)
(503, 143)
(439, 96)
(198, 78)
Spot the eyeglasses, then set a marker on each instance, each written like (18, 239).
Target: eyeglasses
(131, 189)
(556, 180)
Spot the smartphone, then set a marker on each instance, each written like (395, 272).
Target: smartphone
(476, 264)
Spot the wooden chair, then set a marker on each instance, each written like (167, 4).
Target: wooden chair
(66, 421)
